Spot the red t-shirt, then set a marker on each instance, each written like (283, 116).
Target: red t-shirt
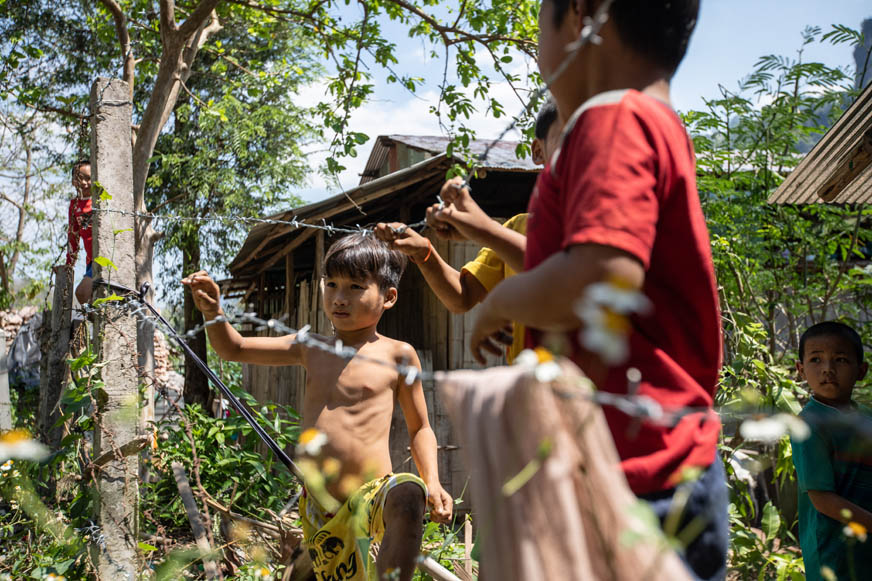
(79, 226)
(625, 178)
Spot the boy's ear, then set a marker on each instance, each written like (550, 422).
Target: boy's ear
(800, 369)
(390, 297)
(538, 152)
(864, 367)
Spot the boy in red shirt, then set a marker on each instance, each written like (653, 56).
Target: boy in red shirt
(619, 202)
(80, 227)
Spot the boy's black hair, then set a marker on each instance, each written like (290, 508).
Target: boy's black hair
(360, 256)
(657, 29)
(833, 329)
(79, 164)
(546, 118)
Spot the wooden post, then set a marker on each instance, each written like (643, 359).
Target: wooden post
(57, 370)
(317, 319)
(5, 402)
(196, 520)
(115, 334)
(289, 287)
(467, 547)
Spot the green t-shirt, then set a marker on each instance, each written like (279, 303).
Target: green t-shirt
(836, 457)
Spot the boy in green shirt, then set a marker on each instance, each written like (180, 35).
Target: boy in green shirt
(834, 464)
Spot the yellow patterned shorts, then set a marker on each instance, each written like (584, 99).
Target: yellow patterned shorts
(339, 543)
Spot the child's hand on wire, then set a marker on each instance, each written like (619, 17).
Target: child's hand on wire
(206, 294)
(441, 226)
(459, 213)
(402, 238)
(491, 333)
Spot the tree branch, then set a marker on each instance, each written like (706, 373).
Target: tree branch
(167, 19)
(193, 22)
(6, 198)
(123, 35)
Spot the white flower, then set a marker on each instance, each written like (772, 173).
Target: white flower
(605, 311)
(547, 372)
(770, 430)
(796, 426)
(17, 444)
(856, 530)
(527, 358)
(767, 430)
(311, 441)
(541, 362)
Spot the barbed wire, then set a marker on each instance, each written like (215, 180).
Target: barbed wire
(635, 405)
(294, 222)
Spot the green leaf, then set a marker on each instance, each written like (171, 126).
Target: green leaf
(117, 232)
(146, 548)
(771, 521)
(104, 195)
(105, 262)
(110, 298)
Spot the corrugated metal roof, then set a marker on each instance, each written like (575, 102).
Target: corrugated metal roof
(839, 168)
(263, 238)
(501, 156)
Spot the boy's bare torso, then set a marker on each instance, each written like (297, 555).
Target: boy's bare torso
(352, 403)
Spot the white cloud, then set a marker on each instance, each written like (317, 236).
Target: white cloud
(405, 114)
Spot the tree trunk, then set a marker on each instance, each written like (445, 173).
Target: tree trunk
(180, 47)
(196, 383)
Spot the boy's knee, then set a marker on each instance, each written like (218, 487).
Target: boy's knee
(405, 501)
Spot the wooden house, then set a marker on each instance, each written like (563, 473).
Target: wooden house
(277, 270)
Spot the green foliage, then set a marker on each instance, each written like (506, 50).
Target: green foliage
(780, 269)
(233, 465)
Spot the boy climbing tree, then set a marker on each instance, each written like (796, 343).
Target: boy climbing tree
(79, 226)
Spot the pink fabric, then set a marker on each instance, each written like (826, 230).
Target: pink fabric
(569, 520)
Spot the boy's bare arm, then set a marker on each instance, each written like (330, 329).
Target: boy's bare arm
(227, 342)
(833, 505)
(423, 440)
(459, 293)
(462, 218)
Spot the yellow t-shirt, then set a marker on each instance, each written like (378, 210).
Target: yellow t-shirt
(489, 269)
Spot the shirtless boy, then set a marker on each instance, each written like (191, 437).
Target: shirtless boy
(351, 403)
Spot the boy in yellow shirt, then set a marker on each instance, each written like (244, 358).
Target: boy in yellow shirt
(502, 253)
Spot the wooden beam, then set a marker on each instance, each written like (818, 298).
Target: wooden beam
(290, 280)
(317, 273)
(293, 245)
(261, 295)
(57, 373)
(278, 230)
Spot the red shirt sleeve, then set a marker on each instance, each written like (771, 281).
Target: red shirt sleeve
(611, 198)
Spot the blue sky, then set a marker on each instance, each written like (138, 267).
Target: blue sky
(730, 36)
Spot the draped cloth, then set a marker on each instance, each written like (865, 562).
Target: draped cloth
(567, 512)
